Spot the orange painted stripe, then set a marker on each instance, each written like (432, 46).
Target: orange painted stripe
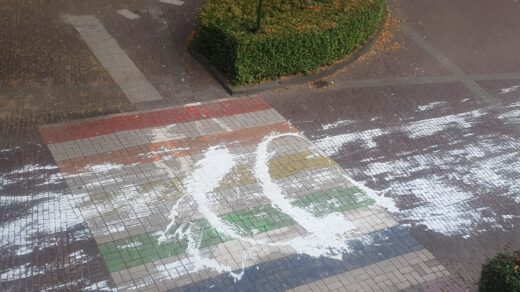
(178, 148)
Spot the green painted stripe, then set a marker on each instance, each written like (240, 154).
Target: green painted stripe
(333, 200)
(144, 248)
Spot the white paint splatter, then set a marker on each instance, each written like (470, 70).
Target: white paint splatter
(36, 227)
(104, 167)
(54, 213)
(207, 174)
(337, 124)
(325, 236)
(331, 145)
(430, 106)
(319, 241)
(433, 126)
(442, 203)
(509, 89)
(439, 203)
(21, 272)
(100, 286)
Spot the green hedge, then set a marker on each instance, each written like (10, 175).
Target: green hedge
(502, 273)
(295, 37)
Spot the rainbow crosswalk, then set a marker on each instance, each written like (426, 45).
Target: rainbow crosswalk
(142, 181)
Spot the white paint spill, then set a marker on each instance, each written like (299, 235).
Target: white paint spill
(430, 106)
(433, 126)
(379, 197)
(29, 168)
(509, 89)
(222, 125)
(38, 227)
(21, 272)
(331, 145)
(440, 203)
(444, 203)
(511, 116)
(100, 286)
(55, 212)
(173, 2)
(337, 124)
(325, 236)
(207, 174)
(78, 257)
(320, 241)
(105, 167)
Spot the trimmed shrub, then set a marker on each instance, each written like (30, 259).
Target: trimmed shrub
(295, 36)
(501, 274)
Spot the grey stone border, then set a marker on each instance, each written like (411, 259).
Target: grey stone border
(291, 79)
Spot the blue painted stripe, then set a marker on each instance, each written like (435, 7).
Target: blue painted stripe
(295, 270)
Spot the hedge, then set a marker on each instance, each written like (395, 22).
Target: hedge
(502, 273)
(295, 37)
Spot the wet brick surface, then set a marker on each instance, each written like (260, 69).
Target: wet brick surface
(155, 220)
(428, 120)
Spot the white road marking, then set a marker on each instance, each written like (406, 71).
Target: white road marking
(120, 67)
(172, 2)
(128, 14)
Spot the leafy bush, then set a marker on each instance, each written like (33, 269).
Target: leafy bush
(295, 36)
(501, 274)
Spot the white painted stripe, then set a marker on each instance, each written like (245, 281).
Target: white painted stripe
(128, 14)
(137, 137)
(120, 67)
(172, 2)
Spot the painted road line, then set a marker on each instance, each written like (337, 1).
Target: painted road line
(128, 14)
(81, 129)
(393, 274)
(173, 2)
(117, 63)
(124, 140)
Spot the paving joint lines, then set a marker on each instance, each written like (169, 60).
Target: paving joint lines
(450, 66)
(117, 63)
(133, 216)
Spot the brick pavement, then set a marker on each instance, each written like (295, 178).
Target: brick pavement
(157, 230)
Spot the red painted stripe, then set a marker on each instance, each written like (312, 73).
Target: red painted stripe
(85, 129)
(178, 148)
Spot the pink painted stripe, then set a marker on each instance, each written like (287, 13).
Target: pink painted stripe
(86, 129)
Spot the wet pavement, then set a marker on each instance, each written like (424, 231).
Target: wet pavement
(126, 167)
